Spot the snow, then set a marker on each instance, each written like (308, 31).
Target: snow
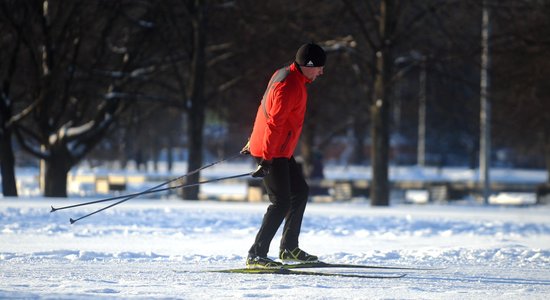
(160, 249)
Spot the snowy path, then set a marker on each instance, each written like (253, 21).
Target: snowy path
(160, 249)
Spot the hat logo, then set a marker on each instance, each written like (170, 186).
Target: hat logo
(310, 64)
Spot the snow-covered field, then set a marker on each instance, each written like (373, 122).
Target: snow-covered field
(156, 249)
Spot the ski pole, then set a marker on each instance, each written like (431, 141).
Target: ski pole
(160, 190)
(148, 191)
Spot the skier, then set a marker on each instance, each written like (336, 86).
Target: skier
(276, 131)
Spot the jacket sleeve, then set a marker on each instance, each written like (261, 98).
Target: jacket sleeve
(280, 102)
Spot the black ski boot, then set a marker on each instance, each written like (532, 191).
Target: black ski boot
(297, 255)
(258, 262)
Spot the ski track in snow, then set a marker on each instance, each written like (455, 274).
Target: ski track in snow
(161, 249)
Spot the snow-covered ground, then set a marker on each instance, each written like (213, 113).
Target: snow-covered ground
(156, 249)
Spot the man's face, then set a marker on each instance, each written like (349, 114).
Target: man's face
(312, 72)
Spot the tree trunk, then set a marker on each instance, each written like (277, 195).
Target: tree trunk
(195, 127)
(379, 192)
(57, 167)
(306, 150)
(546, 148)
(155, 153)
(170, 155)
(197, 107)
(380, 112)
(359, 130)
(7, 161)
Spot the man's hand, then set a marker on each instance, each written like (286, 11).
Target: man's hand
(263, 169)
(246, 149)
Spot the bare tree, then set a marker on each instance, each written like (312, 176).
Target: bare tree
(183, 30)
(521, 67)
(11, 43)
(78, 58)
(384, 27)
(196, 104)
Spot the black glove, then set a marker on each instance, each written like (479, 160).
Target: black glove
(263, 169)
(246, 149)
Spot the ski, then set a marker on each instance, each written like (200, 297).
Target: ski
(286, 271)
(320, 264)
(294, 269)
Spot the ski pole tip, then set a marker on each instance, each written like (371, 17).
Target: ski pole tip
(72, 220)
(53, 209)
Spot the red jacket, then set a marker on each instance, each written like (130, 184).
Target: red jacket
(280, 117)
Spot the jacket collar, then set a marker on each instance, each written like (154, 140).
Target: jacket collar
(294, 67)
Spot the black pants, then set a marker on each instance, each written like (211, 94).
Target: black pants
(288, 194)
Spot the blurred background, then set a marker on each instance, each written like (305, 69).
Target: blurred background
(137, 83)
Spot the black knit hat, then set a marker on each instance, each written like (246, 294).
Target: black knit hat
(311, 55)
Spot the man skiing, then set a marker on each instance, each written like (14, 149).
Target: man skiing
(276, 131)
